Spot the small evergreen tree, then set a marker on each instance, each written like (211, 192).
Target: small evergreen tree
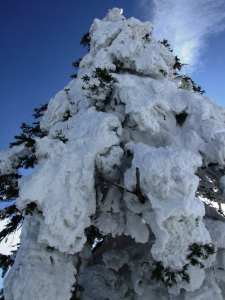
(86, 41)
(9, 183)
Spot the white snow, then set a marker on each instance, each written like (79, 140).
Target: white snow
(147, 121)
(9, 159)
(37, 273)
(67, 201)
(168, 181)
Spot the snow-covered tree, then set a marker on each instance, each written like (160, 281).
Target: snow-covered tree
(126, 157)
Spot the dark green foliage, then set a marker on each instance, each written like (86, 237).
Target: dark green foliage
(66, 116)
(76, 64)
(30, 208)
(29, 142)
(15, 220)
(209, 184)
(138, 191)
(163, 72)
(198, 89)
(1, 295)
(50, 249)
(197, 222)
(146, 37)
(195, 262)
(184, 275)
(8, 211)
(86, 78)
(157, 273)
(73, 76)
(119, 65)
(29, 161)
(73, 297)
(195, 87)
(199, 251)
(61, 137)
(105, 85)
(196, 250)
(32, 131)
(27, 137)
(86, 41)
(6, 262)
(103, 75)
(9, 182)
(9, 187)
(14, 224)
(177, 66)
(40, 111)
(77, 288)
(166, 44)
(168, 277)
(94, 88)
(208, 250)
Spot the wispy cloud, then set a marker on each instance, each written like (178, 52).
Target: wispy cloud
(186, 24)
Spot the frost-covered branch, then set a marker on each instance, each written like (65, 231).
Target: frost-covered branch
(124, 157)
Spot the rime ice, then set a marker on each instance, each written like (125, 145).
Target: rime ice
(130, 162)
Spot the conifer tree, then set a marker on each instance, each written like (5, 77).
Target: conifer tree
(126, 157)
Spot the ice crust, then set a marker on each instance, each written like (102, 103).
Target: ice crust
(38, 273)
(66, 209)
(154, 123)
(168, 181)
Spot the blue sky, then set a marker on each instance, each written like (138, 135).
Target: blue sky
(40, 40)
